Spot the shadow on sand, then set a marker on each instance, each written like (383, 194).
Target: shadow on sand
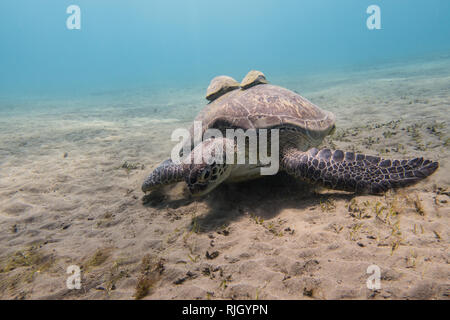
(264, 198)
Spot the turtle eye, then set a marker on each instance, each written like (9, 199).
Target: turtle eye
(205, 174)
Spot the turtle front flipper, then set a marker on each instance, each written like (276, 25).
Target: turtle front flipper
(360, 173)
(166, 173)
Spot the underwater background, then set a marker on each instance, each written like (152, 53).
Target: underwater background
(127, 44)
(85, 115)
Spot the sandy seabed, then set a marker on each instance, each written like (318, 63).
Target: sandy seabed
(70, 177)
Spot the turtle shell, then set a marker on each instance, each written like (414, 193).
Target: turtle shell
(267, 106)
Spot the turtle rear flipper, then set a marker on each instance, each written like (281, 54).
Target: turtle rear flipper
(360, 173)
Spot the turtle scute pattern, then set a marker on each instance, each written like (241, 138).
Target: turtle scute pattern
(356, 172)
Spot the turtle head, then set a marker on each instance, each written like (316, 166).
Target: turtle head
(203, 178)
(206, 173)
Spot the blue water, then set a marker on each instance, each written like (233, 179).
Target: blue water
(127, 44)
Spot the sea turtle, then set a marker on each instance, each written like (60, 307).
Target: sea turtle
(302, 127)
